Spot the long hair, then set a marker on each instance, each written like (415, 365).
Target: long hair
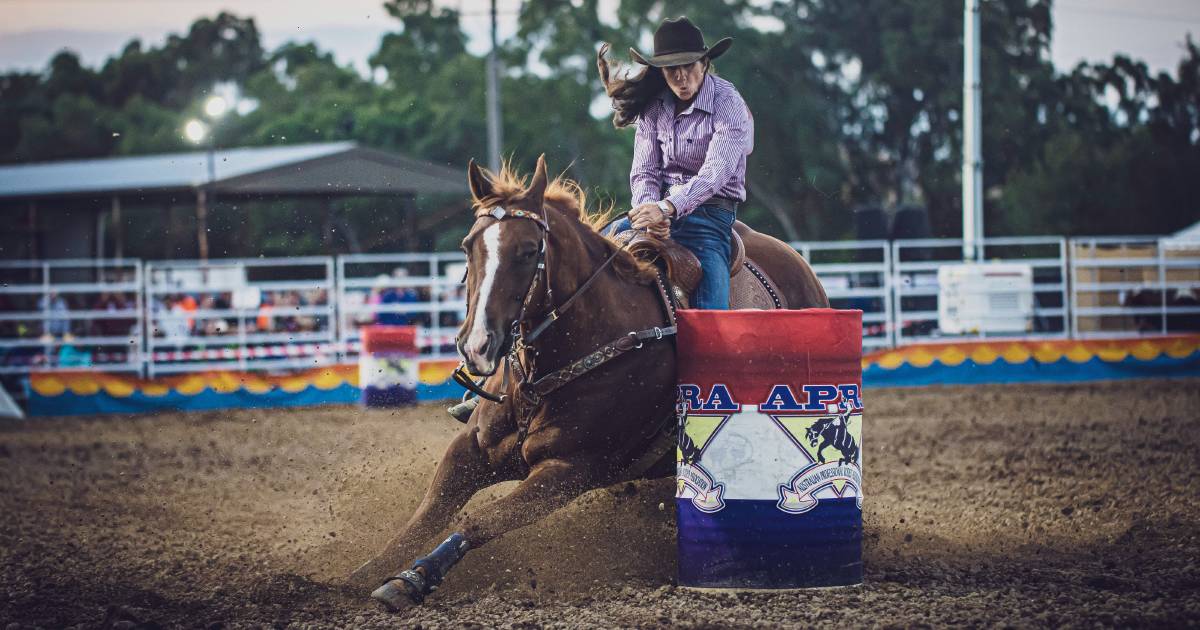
(630, 92)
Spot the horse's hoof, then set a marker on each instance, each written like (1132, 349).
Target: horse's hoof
(396, 595)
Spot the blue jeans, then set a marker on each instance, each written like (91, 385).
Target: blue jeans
(705, 233)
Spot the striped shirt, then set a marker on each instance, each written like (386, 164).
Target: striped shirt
(698, 154)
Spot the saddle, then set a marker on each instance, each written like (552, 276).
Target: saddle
(749, 285)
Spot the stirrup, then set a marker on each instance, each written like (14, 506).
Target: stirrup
(462, 411)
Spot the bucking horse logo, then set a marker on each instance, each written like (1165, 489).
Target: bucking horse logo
(834, 432)
(691, 452)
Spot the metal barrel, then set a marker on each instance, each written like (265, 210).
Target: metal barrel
(769, 464)
(387, 366)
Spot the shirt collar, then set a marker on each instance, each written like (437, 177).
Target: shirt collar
(703, 100)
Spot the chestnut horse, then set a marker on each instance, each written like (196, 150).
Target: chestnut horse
(549, 299)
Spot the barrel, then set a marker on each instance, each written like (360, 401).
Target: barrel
(387, 366)
(769, 464)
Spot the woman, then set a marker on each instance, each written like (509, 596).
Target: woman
(694, 132)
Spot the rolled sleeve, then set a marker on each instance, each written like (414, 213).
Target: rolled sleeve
(733, 133)
(645, 178)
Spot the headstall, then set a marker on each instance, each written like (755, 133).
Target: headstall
(532, 392)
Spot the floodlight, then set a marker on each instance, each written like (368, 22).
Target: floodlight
(215, 106)
(195, 131)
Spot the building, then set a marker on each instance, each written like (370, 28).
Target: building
(80, 208)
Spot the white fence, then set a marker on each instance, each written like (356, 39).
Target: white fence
(261, 313)
(1129, 286)
(84, 314)
(915, 287)
(288, 313)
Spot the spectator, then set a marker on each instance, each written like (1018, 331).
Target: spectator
(397, 295)
(70, 356)
(266, 320)
(176, 327)
(58, 324)
(112, 326)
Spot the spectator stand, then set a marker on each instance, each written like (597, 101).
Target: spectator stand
(240, 314)
(70, 315)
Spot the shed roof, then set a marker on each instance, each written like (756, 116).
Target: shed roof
(334, 168)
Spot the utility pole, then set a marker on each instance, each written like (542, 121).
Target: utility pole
(205, 199)
(493, 100)
(972, 149)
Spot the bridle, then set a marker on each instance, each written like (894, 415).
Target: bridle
(534, 390)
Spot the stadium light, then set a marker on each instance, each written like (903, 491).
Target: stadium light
(215, 107)
(195, 131)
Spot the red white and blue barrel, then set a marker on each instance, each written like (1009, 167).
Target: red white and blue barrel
(387, 366)
(769, 474)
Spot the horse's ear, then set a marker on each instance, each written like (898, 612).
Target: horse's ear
(481, 186)
(537, 187)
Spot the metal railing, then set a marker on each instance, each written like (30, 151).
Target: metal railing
(289, 313)
(916, 290)
(253, 313)
(1133, 285)
(857, 274)
(418, 289)
(71, 314)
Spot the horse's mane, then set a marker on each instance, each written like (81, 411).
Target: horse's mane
(570, 199)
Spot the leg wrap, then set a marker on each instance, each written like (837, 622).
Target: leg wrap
(441, 559)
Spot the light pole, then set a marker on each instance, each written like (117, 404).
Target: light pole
(972, 157)
(197, 131)
(494, 133)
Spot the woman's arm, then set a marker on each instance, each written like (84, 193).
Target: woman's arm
(645, 178)
(733, 137)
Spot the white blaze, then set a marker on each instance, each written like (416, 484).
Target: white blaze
(491, 263)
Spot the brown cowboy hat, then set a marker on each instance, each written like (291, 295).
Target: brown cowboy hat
(679, 42)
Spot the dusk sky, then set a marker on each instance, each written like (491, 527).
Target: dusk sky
(32, 30)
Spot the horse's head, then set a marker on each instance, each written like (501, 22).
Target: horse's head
(502, 259)
(813, 433)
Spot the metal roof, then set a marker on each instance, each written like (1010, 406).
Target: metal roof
(341, 168)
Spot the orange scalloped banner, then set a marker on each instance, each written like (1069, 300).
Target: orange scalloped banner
(80, 383)
(1017, 352)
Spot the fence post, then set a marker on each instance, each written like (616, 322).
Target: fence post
(1162, 285)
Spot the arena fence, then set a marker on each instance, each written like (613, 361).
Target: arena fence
(243, 314)
(916, 289)
(165, 317)
(83, 314)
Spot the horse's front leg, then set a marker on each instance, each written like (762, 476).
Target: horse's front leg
(463, 471)
(821, 449)
(550, 485)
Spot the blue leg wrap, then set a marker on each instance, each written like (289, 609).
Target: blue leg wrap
(441, 559)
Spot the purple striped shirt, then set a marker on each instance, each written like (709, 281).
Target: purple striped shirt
(699, 154)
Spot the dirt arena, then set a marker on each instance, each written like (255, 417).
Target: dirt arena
(1010, 505)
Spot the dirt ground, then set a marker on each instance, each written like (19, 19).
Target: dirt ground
(1019, 505)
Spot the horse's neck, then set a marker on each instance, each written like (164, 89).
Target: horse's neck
(611, 306)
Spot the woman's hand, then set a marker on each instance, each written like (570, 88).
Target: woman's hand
(650, 217)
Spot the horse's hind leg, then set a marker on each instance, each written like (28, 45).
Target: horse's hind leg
(463, 471)
(549, 486)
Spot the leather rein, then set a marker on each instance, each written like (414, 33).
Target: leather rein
(531, 392)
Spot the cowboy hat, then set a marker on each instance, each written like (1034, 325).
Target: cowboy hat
(679, 42)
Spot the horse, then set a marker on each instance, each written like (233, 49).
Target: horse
(834, 432)
(573, 335)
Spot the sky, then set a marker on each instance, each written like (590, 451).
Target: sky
(31, 31)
